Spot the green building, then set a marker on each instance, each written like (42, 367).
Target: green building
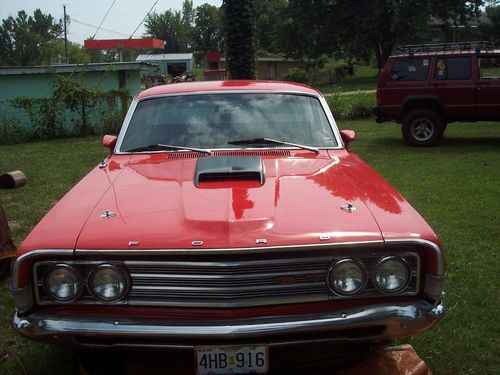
(90, 115)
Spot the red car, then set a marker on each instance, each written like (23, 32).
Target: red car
(425, 87)
(229, 218)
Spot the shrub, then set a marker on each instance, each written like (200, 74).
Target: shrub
(296, 75)
(351, 107)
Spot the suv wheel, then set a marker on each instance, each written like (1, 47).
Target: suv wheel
(423, 127)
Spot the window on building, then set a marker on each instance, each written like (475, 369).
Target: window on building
(453, 68)
(410, 69)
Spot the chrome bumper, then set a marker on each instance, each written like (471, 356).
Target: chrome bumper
(391, 321)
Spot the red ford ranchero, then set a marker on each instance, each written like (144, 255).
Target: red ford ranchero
(229, 218)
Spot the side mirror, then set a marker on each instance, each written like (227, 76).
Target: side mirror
(109, 141)
(348, 136)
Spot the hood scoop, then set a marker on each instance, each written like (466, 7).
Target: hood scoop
(229, 168)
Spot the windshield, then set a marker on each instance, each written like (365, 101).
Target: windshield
(213, 120)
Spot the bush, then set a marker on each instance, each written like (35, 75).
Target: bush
(351, 107)
(11, 129)
(296, 75)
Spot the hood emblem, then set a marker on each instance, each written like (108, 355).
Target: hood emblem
(108, 214)
(197, 243)
(348, 207)
(133, 243)
(260, 241)
(324, 237)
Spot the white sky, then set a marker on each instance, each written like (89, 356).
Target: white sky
(122, 19)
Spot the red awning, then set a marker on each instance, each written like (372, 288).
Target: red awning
(124, 43)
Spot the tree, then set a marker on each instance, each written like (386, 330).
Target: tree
(239, 40)
(207, 31)
(491, 31)
(317, 27)
(172, 26)
(269, 22)
(55, 50)
(22, 38)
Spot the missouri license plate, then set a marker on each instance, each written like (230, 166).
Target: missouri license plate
(231, 359)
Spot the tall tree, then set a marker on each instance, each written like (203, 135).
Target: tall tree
(22, 38)
(239, 38)
(172, 26)
(207, 31)
(491, 30)
(269, 22)
(328, 25)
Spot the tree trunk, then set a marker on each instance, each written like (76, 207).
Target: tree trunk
(382, 52)
(7, 248)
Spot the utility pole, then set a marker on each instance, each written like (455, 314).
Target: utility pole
(65, 37)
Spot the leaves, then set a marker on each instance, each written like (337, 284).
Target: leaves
(239, 32)
(22, 38)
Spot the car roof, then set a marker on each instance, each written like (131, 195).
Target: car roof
(208, 86)
(448, 53)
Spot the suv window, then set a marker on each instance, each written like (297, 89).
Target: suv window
(489, 67)
(410, 69)
(453, 68)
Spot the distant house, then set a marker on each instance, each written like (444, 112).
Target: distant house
(272, 67)
(170, 63)
(37, 81)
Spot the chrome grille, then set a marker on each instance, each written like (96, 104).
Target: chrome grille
(228, 284)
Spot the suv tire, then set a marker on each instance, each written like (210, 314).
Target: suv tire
(423, 128)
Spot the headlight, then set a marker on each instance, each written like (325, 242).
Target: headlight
(108, 283)
(347, 277)
(391, 274)
(63, 283)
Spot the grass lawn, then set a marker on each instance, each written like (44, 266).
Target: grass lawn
(455, 186)
(365, 78)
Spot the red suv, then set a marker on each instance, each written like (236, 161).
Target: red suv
(426, 87)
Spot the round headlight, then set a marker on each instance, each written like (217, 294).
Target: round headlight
(62, 283)
(347, 277)
(108, 283)
(391, 274)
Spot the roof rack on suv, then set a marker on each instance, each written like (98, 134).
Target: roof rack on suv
(434, 47)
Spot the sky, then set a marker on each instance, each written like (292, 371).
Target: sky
(86, 15)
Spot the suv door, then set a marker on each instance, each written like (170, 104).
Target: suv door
(453, 82)
(488, 92)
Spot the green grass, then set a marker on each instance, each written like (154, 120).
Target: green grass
(455, 186)
(364, 78)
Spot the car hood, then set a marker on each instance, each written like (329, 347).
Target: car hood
(154, 204)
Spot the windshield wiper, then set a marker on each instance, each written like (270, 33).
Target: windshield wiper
(159, 146)
(264, 141)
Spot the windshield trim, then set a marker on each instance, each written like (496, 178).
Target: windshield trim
(322, 100)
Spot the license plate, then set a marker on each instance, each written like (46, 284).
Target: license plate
(232, 359)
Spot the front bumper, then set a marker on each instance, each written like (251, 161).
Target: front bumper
(373, 323)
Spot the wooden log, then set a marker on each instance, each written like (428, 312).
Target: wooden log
(7, 247)
(12, 180)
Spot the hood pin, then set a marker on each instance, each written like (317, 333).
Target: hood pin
(348, 207)
(108, 214)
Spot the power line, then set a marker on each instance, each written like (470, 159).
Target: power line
(106, 15)
(94, 26)
(147, 14)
